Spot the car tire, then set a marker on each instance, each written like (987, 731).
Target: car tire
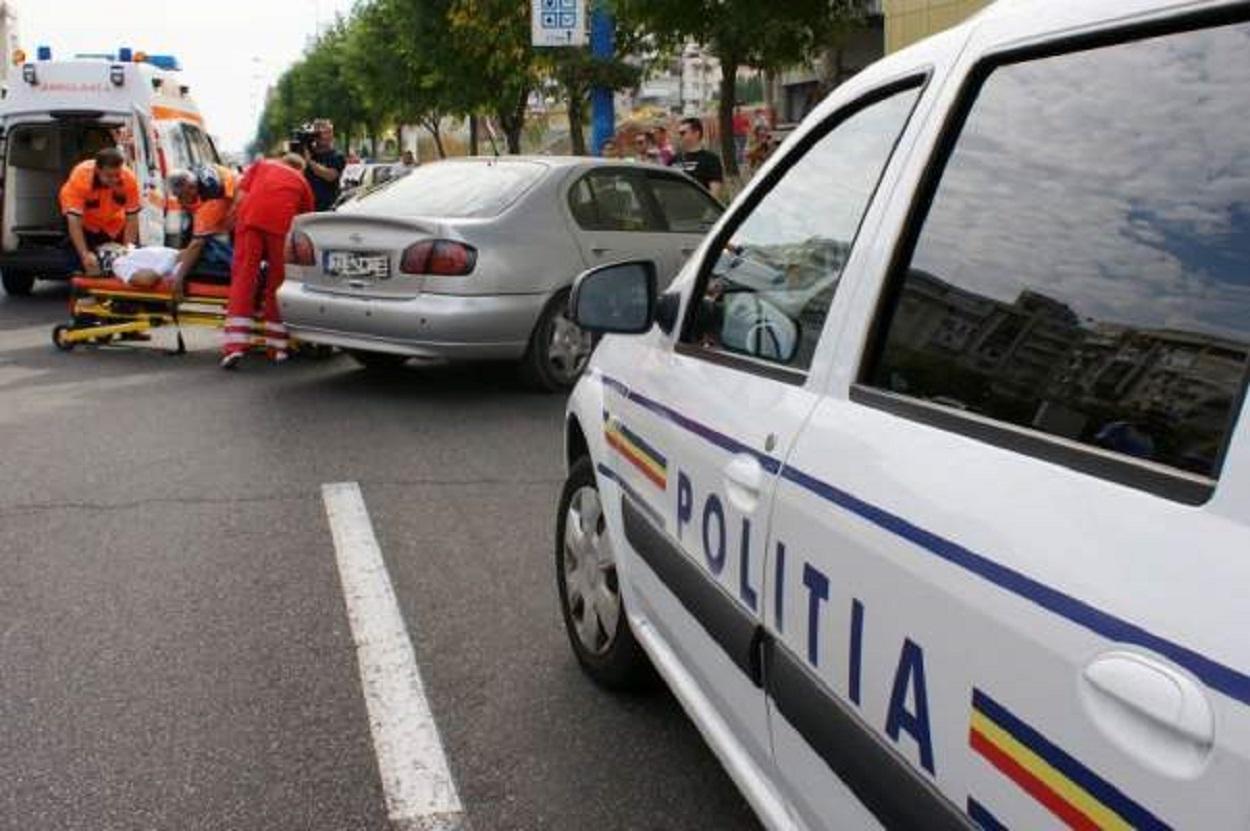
(558, 350)
(17, 283)
(378, 361)
(590, 597)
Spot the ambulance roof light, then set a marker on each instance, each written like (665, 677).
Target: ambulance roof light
(19, 57)
(124, 54)
(44, 53)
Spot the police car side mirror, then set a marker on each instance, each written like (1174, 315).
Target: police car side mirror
(615, 299)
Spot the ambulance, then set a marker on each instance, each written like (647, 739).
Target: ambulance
(56, 113)
(925, 484)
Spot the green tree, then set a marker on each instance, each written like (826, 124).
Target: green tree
(400, 63)
(769, 36)
(578, 73)
(497, 66)
(316, 86)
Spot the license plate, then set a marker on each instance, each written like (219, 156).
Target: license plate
(357, 264)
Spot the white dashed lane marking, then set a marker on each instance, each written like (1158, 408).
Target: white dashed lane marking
(417, 781)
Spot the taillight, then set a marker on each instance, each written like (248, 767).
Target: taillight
(442, 257)
(299, 249)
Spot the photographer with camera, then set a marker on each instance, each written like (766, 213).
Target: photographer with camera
(324, 164)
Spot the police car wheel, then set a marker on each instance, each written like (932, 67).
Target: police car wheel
(559, 350)
(17, 283)
(590, 596)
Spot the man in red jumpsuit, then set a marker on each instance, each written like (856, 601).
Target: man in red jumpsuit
(274, 193)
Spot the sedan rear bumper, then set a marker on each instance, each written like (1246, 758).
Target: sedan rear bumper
(454, 327)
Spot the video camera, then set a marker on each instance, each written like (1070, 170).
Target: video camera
(301, 139)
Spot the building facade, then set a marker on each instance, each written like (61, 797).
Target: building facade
(907, 21)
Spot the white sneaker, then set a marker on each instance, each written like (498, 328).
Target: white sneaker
(230, 360)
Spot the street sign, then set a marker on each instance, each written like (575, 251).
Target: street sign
(558, 22)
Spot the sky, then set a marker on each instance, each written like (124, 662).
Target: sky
(231, 50)
(1116, 181)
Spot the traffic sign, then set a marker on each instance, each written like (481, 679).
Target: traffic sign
(558, 22)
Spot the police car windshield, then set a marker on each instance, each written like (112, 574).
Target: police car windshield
(457, 190)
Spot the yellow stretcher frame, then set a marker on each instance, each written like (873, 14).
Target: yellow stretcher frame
(100, 315)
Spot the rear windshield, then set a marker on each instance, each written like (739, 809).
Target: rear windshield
(452, 189)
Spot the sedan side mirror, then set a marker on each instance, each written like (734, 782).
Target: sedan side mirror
(618, 298)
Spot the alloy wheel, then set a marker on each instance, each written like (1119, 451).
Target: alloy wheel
(590, 579)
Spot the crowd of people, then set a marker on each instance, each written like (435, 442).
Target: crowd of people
(238, 227)
(753, 144)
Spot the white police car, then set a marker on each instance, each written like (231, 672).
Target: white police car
(926, 487)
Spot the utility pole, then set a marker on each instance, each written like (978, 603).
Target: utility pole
(602, 48)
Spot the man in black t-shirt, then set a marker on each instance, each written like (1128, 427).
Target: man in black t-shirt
(324, 165)
(702, 165)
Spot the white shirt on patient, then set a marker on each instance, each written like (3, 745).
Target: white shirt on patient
(154, 258)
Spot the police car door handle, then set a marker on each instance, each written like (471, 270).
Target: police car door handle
(744, 479)
(1150, 710)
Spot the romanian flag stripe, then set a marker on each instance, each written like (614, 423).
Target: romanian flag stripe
(641, 443)
(640, 454)
(635, 457)
(1033, 784)
(1071, 791)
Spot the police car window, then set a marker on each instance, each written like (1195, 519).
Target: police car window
(768, 294)
(1087, 275)
(609, 200)
(686, 209)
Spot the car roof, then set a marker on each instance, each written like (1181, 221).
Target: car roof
(562, 161)
(1019, 19)
(1002, 23)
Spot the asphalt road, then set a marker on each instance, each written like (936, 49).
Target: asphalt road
(174, 646)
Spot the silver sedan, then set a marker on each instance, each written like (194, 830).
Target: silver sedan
(472, 259)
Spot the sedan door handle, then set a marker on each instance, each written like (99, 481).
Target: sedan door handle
(744, 480)
(599, 252)
(1155, 713)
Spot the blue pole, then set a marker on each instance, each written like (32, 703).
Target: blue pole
(602, 48)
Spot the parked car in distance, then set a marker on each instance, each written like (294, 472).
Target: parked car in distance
(926, 484)
(472, 258)
(361, 178)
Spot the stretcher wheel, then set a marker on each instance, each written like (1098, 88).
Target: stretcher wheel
(58, 337)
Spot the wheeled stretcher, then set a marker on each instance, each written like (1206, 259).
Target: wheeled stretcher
(106, 309)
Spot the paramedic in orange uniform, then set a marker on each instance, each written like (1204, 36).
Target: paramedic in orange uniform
(100, 201)
(273, 194)
(207, 192)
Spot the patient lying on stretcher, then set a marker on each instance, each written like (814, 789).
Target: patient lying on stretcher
(156, 265)
(208, 195)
